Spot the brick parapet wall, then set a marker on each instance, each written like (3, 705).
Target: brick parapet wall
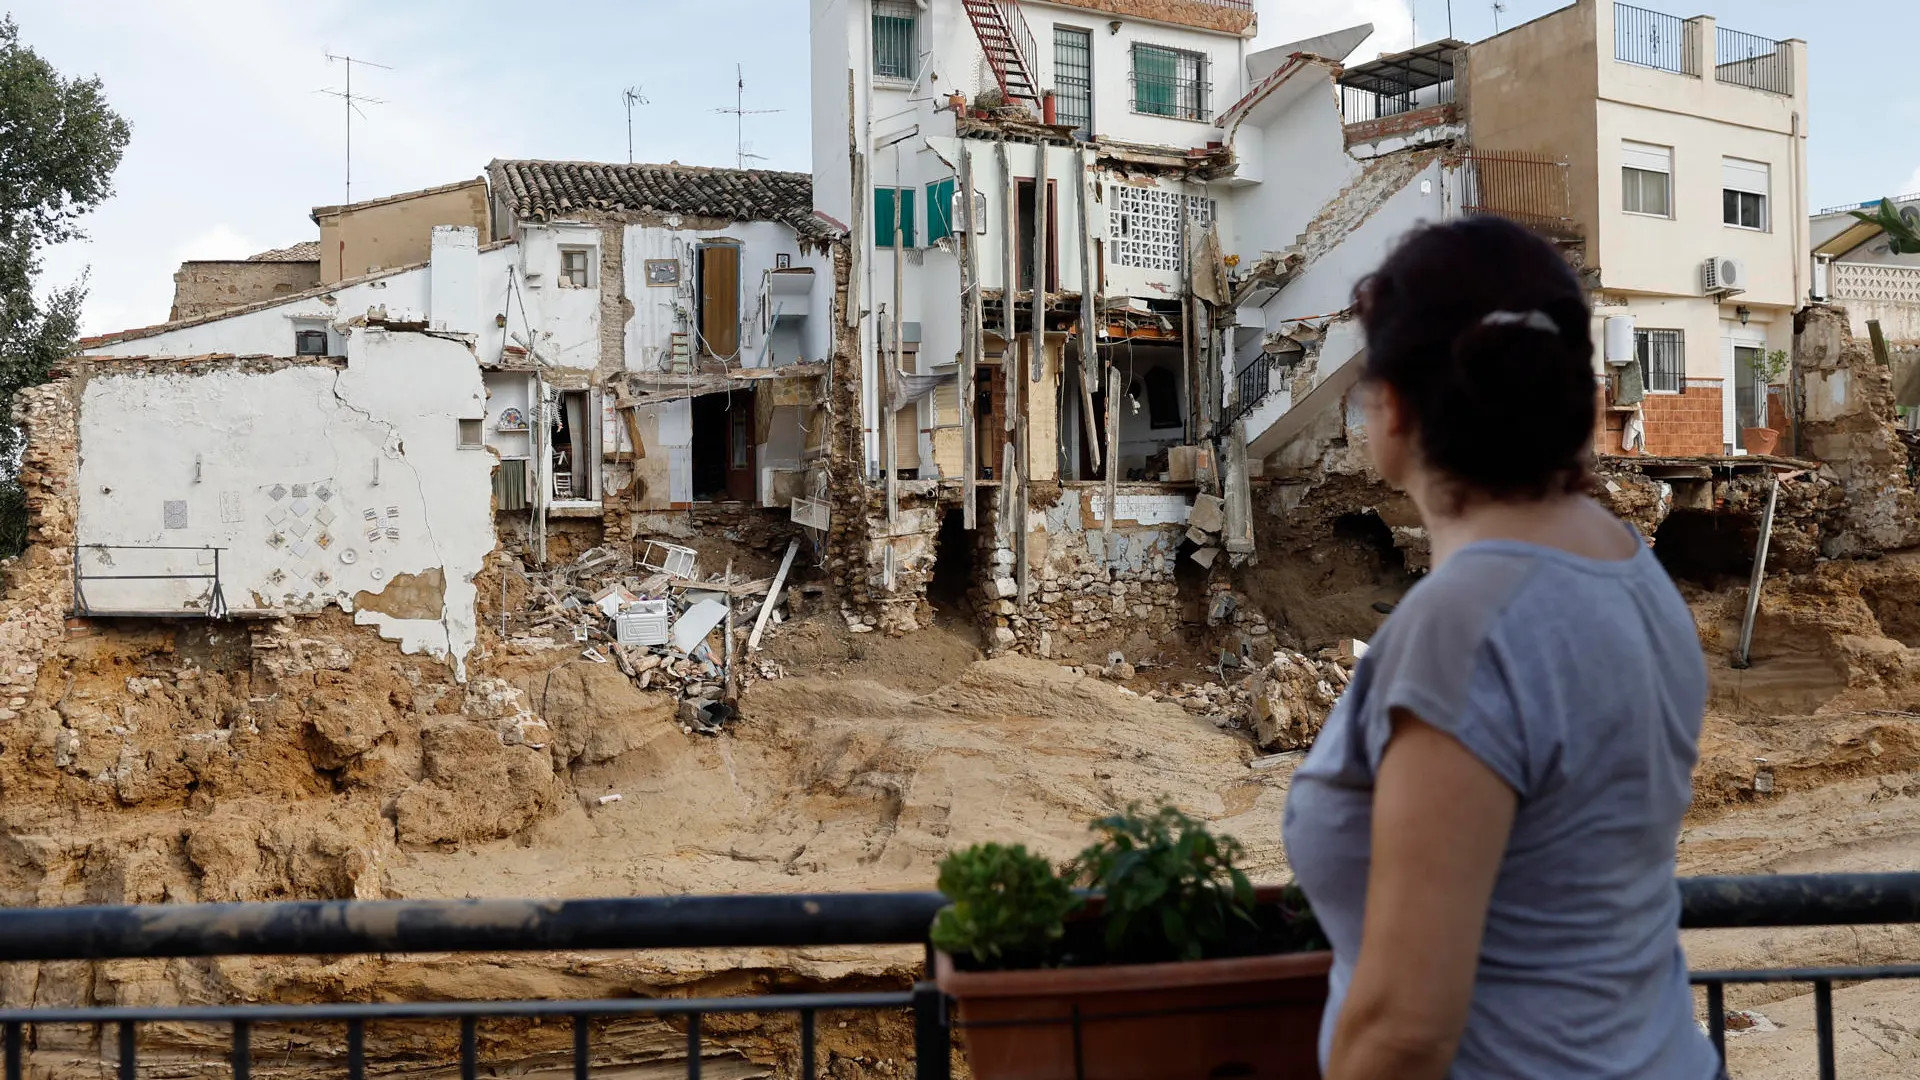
(1406, 123)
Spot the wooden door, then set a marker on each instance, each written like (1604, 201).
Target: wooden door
(742, 475)
(720, 299)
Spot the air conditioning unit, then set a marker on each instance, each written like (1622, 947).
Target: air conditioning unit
(1723, 276)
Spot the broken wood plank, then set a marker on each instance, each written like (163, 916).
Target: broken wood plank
(1089, 333)
(632, 418)
(971, 345)
(773, 596)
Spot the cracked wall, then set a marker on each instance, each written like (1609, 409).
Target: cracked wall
(317, 483)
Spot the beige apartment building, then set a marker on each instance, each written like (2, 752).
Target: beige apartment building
(380, 234)
(1686, 150)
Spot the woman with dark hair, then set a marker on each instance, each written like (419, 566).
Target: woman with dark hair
(1487, 824)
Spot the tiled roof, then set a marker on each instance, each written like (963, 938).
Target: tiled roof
(305, 251)
(546, 189)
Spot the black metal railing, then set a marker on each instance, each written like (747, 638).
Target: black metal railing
(338, 928)
(1252, 383)
(215, 600)
(1752, 61)
(1654, 39)
(1529, 188)
(342, 928)
(1358, 105)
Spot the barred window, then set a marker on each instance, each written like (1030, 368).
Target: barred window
(895, 38)
(1663, 359)
(1073, 79)
(1170, 82)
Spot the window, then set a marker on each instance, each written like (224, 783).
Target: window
(1073, 79)
(470, 437)
(1744, 187)
(1169, 82)
(883, 201)
(895, 39)
(575, 268)
(1663, 359)
(1647, 179)
(940, 224)
(310, 343)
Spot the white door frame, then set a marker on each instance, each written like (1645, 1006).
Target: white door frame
(1733, 335)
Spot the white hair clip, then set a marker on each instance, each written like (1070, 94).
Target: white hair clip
(1532, 320)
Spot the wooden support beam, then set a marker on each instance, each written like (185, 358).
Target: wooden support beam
(773, 596)
(970, 343)
(1089, 331)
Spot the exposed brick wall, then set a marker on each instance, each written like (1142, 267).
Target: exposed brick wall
(204, 287)
(1677, 425)
(1406, 123)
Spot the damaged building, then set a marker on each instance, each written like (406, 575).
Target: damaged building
(618, 347)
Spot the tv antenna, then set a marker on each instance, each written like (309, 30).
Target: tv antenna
(740, 113)
(352, 100)
(1498, 8)
(630, 97)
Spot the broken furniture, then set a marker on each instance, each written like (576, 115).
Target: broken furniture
(668, 558)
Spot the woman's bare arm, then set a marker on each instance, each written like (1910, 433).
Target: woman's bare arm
(1440, 824)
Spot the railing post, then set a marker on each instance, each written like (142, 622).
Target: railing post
(932, 1038)
(1702, 46)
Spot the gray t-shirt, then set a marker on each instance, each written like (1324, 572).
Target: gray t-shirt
(1580, 683)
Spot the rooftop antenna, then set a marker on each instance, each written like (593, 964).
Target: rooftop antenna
(631, 96)
(1498, 7)
(1449, 19)
(740, 113)
(351, 98)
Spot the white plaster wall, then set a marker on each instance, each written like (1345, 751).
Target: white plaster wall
(508, 390)
(1297, 139)
(566, 319)
(402, 296)
(661, 311)
(381, 436)
(1113, 115)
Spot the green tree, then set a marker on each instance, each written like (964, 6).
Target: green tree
(1901, 237)
(59, 146)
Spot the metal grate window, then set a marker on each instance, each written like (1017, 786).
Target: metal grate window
(1170, 82)
(1663, 359)
(895, 38)
(1073, 79)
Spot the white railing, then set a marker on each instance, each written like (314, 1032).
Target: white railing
(1867, 281)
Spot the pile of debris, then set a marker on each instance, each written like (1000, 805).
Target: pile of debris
(1282, 704)
(665, 627)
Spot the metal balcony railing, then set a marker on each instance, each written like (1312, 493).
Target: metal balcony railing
(1358, 104)
(1529, 188)
(1653, 39)
(213, 602)
(340, 929)
(1751, 61)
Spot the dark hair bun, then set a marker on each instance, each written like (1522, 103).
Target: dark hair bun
(1484, 332)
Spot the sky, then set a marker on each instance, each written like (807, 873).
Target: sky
(234, 142)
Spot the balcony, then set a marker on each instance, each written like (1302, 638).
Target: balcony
(1405, 98)
(1531, 189)
(457, 1034)
(1663, 42)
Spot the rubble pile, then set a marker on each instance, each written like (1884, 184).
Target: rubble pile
(661, 624)
(1282, 704)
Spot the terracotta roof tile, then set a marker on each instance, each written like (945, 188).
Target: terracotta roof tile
(305, 251)
(546, 189)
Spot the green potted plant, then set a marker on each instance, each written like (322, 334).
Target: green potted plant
(1767, 369)
(1170, 964)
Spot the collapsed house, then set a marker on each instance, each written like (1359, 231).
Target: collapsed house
(629, 341)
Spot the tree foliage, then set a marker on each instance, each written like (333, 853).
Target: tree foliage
(1901, 235)
(60, 144)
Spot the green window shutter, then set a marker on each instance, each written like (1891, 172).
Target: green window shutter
(883, 216)
(939, 210)
(1156, 80)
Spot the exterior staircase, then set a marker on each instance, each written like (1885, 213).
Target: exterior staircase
(1008, 44)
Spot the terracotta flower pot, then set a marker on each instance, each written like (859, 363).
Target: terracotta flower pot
(1760, 440)
(1253, 1017)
